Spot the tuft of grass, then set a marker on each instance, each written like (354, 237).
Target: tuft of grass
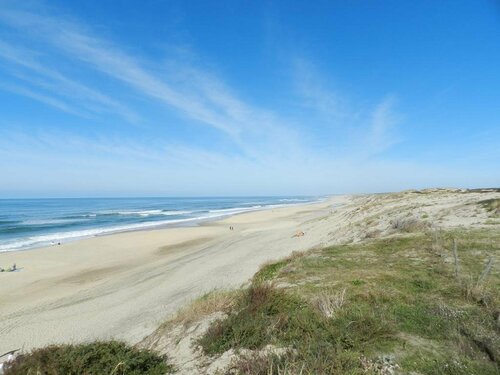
(269, 271)
(408, 225)
(330, 303)
(357, 282)
(110, 357)
(292, 364)
(209, 303)
(256, 364)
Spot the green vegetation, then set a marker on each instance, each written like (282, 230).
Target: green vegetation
(402, 303)
(113, 358)
(269, 271)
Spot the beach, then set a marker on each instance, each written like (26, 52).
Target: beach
(124, 285)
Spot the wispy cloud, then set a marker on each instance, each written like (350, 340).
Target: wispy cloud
(366, 130)
(310, 86)
(40, 76)
(384, 119)
(51, 101)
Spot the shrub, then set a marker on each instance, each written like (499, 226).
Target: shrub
(95, 358)
(263, 313)
(409, 225)
(491, 205)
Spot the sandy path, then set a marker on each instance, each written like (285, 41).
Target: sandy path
(123, 285)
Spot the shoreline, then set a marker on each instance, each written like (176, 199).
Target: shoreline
(122, 285)
(153, 225)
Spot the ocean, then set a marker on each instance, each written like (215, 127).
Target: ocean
(30, 223)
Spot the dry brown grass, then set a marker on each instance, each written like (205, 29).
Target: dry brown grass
(258, 364)
(409, 225)
(330, 303)
(373, 234)
(215, 301)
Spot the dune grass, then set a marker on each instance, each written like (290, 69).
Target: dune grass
(395, 303)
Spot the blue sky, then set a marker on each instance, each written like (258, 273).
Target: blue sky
(163, 98)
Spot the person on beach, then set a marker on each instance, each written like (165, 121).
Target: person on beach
(11, 356)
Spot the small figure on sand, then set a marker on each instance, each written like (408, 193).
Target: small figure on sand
(11, 357)
(231, 228)
(13, 268)
(298, 234)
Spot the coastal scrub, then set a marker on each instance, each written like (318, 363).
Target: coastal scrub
(100, 357)
(389, 304)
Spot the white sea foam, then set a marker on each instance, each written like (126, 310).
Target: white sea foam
(140, 212)
(236, 209)
(146, 213)
(51, 221)
(171, 213)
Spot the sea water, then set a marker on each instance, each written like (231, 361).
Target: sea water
(29, 223)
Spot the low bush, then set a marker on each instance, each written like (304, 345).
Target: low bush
(97, 358)
(491, 205)
(409, 225)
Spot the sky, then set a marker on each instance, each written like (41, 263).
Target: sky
(218, 98)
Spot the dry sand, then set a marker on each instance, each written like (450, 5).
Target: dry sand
(123, 285)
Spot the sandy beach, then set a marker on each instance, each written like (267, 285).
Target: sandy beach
(123, 285)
